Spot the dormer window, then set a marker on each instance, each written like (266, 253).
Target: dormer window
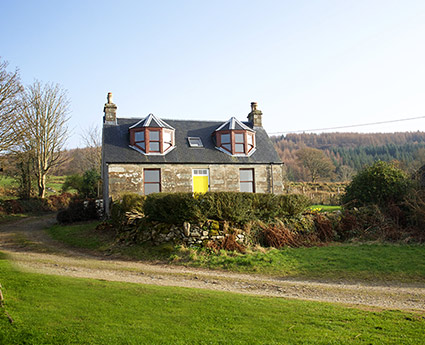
(152, 136)
(235, 138)
(139, 139)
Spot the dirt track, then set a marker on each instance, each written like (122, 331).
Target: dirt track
(31, 249)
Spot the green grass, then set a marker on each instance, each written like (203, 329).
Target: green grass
(371, 262)
(325, 208)
(54, 182)
(81, 236)
(395, 262)
(7, 182)
(62, 310)
(4, 218)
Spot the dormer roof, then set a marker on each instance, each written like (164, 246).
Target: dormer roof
(233, 124)
(151, 121)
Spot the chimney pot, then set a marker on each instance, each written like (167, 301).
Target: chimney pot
(110, 111)
(255, 116)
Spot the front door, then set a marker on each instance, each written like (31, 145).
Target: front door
(200, 180)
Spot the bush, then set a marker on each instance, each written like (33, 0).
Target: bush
(86, 185)
(58, 202)
(235, 207)
(230, 206)
(292, 204)
(90, 185)
(381, 184)
(79, 210)
(173, 208)
(129, 202)
(369, 223)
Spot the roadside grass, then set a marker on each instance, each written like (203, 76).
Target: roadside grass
(82, 236)
(62, 310)
(325, 208)
(347, 261)
(367, 262)
(4, 218)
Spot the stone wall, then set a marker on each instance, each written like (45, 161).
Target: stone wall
(190, 234)
(124, 178)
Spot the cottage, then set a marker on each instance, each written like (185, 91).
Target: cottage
(152, 155)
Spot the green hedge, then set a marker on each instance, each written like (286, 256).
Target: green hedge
(176, 208)
(128, 202)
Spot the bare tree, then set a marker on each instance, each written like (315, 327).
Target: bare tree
(10, 106)
(92, 140)
(45, 128)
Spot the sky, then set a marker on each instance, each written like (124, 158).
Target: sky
(308, 64)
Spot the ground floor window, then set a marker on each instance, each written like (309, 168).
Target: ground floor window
(246, 177)
(152, 181)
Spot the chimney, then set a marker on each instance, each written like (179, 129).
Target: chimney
(255, 116)
(110, 111)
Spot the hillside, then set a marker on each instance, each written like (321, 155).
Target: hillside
(351, 151)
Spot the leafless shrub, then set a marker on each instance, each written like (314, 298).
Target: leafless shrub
(324, 228)
(229, 243)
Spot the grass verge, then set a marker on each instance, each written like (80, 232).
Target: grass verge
(4, 218)
(370, 262)
(62, 310)
(81, 236)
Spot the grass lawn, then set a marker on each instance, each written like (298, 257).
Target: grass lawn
(63, 310)
(325, 208)
(396, 262)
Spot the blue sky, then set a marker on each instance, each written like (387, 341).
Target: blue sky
(308, 64)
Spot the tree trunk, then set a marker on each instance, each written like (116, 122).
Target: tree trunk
(42, 185)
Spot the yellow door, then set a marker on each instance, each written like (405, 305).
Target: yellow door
(200, 180)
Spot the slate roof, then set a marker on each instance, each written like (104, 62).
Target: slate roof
(234, 123)
(116, 143)
(151, 121)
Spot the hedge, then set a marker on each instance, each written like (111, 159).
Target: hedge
(176, 208)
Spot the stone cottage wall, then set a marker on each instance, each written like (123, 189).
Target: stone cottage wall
(128, 178)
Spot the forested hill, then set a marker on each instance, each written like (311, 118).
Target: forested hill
(354, 150)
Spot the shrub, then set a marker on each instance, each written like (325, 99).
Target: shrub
(230, 206)
(381, 184)
(292, 204)
(278, 235)
(235, 207)
(368, 223)
(173, 208)
(89, 188)
(72, 182)
(58, 202)
(129, 202)
(86, 185)
(79, 210)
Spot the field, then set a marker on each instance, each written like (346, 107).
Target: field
(9, 184)
(62, 310)
(368, 261)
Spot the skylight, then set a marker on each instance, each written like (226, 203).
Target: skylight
(195, 142)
